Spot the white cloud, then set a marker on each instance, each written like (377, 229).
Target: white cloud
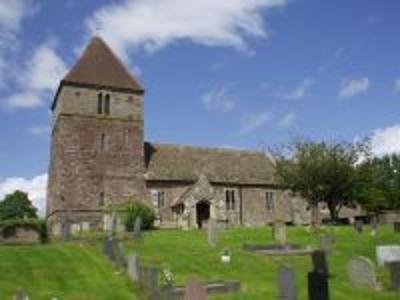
(35, 188)
(353, 87)
(219, 99)
(153, 24)
(397, 86)
(386, 140)
(42, 130)
(287, 120)
(253, 121)
(39, 78)
(298, 92)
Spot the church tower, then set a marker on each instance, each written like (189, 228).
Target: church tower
(97, 147)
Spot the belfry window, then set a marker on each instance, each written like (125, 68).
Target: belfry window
(230, 200)
(107, 105)
(100, 103)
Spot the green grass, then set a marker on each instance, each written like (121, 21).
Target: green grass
(77, 271)
(187, 254)
(69, 271)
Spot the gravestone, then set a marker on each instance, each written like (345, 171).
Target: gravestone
(119, 255)
(20, 294)
(318, 286)
(287, 284)
(195, 291)
(279, 233)
(133, 266)
(358, 225)
(361, 271)
(319, 261)
(387, 254)
(212, 232)
(326, 242)
(394, 268)
(396, 227)
(108, 247)
(137, 229)
(152, 282)
(226, 256)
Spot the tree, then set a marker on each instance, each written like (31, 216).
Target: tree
(17, 206)
(379, 184)
(320, 172)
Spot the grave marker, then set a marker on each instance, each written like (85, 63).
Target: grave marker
(133, 266)
(137, 230)
(394, 268)
(326, 242)
(387, 253)
(318, 288)
(195, 291)
(319, 261)
(212, 232)
(108, 247)
(287, 284)
(279, 233)
(358, 225)
(361, 271)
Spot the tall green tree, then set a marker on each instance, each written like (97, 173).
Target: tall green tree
(17, 206)
(320, 172)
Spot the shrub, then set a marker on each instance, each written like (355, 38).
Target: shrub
(8, 227)
(134, 209)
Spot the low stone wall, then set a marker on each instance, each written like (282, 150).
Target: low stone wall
(389, 217)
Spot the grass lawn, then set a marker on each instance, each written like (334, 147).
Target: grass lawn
(186, 253)
(67, 271)
(79, 271)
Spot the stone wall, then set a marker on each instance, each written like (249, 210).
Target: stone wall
(22, 235)
(95, 159)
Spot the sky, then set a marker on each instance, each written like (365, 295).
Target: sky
(228, 73)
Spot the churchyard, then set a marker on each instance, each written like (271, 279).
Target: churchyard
(78, 269)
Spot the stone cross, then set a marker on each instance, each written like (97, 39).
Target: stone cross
(137, 230)
(21, 295)
(279, 233)
(195, 291)
(361, 271)
(320, 263)
(287, 284)
(387, 253)
(133, 266)
(212, 232)
(394, 268)
(318, 287)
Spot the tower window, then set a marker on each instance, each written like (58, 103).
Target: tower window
(269, 200)
(100, 103)
(107, 104)
(230, 200)
(103, 142)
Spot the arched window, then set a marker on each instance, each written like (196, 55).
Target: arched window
(107, 105)
(100, 103)
(230, 200)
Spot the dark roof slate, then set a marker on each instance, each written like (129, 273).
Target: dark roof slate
(186, 163)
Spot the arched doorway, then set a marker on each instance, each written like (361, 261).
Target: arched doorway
(202, 212)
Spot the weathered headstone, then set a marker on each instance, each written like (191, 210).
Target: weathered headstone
(137, 229)
(387, 254)
(318, 286)
(287, 284)
(226, 256)
(20, 294)
(119, 255)
(195, 291)
(212, 232)
(319, 261)
(396, 227)
(133, 266)
(326, 242)
(279, 233)
(152, 281)
(394, 268)
(108, 247)
(358, 225)
(361, 271)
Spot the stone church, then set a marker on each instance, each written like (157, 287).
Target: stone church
(99, 155)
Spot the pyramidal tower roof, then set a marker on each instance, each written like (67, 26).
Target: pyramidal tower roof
(99, 67)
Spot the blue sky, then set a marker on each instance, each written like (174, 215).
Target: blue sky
(232, 73)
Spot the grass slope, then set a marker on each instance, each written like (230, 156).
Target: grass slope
(186, 253)
(67, 271)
